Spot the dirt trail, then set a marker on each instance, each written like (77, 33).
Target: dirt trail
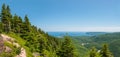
(12, 41)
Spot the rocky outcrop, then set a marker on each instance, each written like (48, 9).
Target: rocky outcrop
(1, 44)
(7, 38)
(11, 41)
(8, 49)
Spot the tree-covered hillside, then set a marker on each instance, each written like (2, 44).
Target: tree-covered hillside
(112, 39)
(33, 39)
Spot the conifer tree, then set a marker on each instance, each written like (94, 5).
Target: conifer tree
(9, 18)
(67, 49)
(93, 52)
(27, 24)
(6, 18)
(105, 52)
(17, 24)
(20, 24)
(42, 45)
(3, 16)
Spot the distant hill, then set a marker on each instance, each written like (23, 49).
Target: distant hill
(60, 34)
(96, 33)
(112, 39)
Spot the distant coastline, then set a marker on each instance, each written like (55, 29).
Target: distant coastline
(60, 34)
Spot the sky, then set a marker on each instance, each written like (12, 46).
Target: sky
(69, 15)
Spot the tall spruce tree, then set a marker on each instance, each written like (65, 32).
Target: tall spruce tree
(14, 25)
(105, 52)
(5, 18)
(27, 24)
(9, 18)
(17, 24)
(67, 49)
(94, 53)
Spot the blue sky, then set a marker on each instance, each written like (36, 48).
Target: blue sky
(69, 15)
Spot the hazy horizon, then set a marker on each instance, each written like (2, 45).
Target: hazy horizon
(87, 29)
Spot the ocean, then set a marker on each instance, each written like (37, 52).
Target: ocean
(60, 34)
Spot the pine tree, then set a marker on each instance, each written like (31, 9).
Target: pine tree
(9, 18)
(20, 24)
(67, 49)
(42, 45)
(5, 18)
(105, 52)
(17, 24)
(27, 24)
(94, 53)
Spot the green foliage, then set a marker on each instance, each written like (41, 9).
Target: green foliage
(27, 24)
(18, 50)
(6, 18)
(17, 24)
(30, 37)
(67, 49)
(4, 54)
(115, 48)
(105, 52)
(22, 42)
(112, 39)
(93, 52)
(14, 50)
